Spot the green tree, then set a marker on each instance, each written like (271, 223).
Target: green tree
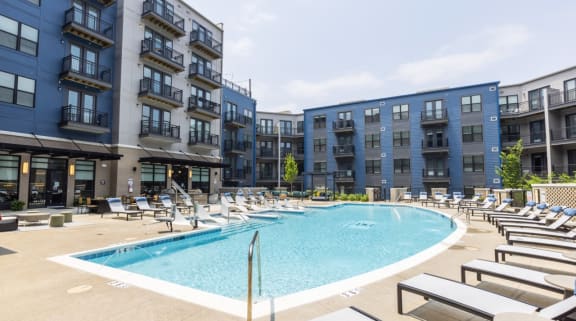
(290, 170)
(510, 170)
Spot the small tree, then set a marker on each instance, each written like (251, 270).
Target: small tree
(510, 170)
(290, 170)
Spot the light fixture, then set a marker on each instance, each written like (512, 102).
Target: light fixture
(104, 165)
(189, 173)
(170, 173)
(25, 167)
(72, 170)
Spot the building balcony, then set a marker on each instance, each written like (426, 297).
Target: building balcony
(159, 131)
(267, 177)
(435, 147)
(343, 151)
(234, 147)
(207, 77)
(234, 174)
(106, 3)
(156, 92)
(204, 140)
(266, 153)
(434, 117)
(346, 176)
(202, 106)
(561, 99)
(343, 126)
(88, 27)
(235, 120)
(435, 175)
(165, 58)
(84, 120)
(206, 44)
(521, 109)
(509, 139)
(563, 135)
(86, 73)
(162, 16)
(266, 131)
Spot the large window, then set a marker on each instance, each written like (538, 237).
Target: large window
(320, 121)
(571, 126)
(372, 115)
(508, 104)
(510, 133)
(160, 45)
(248, 116)
(570, 90)
(537, 132)
(82, 107)
(286, 128)
(373, 166)
(156, 121)
(160, 83)
(86, 15)
(201, 179)
(536, 99)
(9, 166)
(473, 164)
(372, 140)
(319, 144)
(471, 103)
(84, 178)
(17, 90)
(400, 112)
(402, 166)
(472, 134)
(200, 131)
(300, 127)
(434, 110)
(401, 138)
(266, 126)
(320, 167)
(18, 36)
(153, 179)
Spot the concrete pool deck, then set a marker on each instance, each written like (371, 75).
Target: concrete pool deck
(34, 288)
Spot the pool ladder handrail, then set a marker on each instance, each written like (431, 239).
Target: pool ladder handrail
(255, 242)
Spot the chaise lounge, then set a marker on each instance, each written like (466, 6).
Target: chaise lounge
(116, 206)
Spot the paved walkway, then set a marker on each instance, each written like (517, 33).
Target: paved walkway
(33, 288)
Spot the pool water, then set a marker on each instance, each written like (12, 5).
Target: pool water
(298, 251)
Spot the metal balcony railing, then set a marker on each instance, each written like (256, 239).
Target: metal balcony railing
(234, 174)
(436, 172)
(149, 127)
(428, 145)
(149, 86)
(204, 104)
(344, 174)
(90, 22)
(84, 116)
(343, 124)
(86, 68)
(340, 150)
(197, 137)
(232, 145)
(198, 69)
(563, 133)
(434, 115)
(210, 42)
(562, 97)
(232, 117)
(147, 45)
(164, 10)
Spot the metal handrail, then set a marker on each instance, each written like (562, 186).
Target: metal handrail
(255, 242)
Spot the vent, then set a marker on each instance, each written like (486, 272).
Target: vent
(495, 149)
(382, 129)
(384, 182)
(493, 118)
(382, 103)
(496, 181)
(492, 88)
(383, 155)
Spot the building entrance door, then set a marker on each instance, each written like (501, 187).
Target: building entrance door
(47, 182)
(180, 176)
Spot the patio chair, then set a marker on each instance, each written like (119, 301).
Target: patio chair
(205, 217)
(523, 212)
(143, 205)
(529, 221)
(477, 301)
(407, 197)
(169, 220)
(542, 242)
(349, 314)
(486, 206)
(537, 230)
(508, 272)
(521, 216)
(116, 206)
(230, 204)
(501, 250)
(500, 209)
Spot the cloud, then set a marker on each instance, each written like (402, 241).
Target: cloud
(255, 14)
(240, 47)
(329, 87)
(495, 44)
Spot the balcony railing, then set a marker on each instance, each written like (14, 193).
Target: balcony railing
(197, 137)
(231, 117)
(562, 97)
(165, 129)
(212, 47)
(206, 75)
(523, 107)
(157, 88)
(343, 150)
(510, 138)
(167, 53)
(234, 174)
(165, 11)
(343, 125)
(564, 133)
(266, 130)
(84, 116)
(437, 115)
(435, 145)
(88, 26)
(436, 172)
(234, 146)
(87, 69)
(266, 152)
(344, 175)
(201, 103)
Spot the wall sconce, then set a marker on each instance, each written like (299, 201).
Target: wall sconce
(189, 173)
(170, 173)
(25, 167)
(72, 169)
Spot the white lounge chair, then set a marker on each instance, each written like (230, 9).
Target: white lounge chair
(523, 212)
(536, 230)
(230, 204)
(116, 206)
(541, 242)
(521, 216)
(501, 250)
(143, 206)
(205, 217)
(529, 221)
(347, 314)
(474, 300)
(407, 197)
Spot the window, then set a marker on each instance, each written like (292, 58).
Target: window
(319, 144)
(300, 148)
(200, 131)
(36, 2)
(17, 90)
(202, 34)
(402, 166)
(300, 127)
(320, 167)
(435, 139)
(159, 83)
(266, 148)
(537, 132)
(83, 61)
(266, 126)
(372, 140)
(473, 164)
(86, 15)
(153, 179)
(18, 36)
(400, 112)
(202, 98)
(433, 110)
(248, 141)
(539, 164)
(570, 90)
(158, 43)
(248, 116)
(81, 107)
(571, 126)
(510, 133)
(536, 99)
(84, 178)
(320, 121)
(508, 104)
(373, 166)
(471, 103)
(156, 121)
(201, 179)
(9, 171)
(202, 66)
(372, 115)
(285, 127)
(401, 139)
(285, 148)
(266, 170)
(472, 134)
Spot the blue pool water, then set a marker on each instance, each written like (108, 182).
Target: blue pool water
(298, 251)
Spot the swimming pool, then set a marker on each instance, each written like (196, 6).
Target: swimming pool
(300, 253)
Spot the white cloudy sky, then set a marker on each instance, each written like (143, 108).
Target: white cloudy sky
(308, 53)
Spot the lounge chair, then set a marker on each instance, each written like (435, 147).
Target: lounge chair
(423, 196)
(474, 300)
(522, 216)
(242, 201)
(205, 217)
(500, 209)
(230, 204)
(501, 250)
(347, 314)
(487, 205)
(167, 219)
(541, 242)
(523, 212)
(444, 200)
(508, 272)
(116, 206)
(407, 197)
(529, 221)
(143, 205)
(537, 230)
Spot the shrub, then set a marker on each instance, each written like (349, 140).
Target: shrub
(343, 197)
(364, 198)
(16, 205)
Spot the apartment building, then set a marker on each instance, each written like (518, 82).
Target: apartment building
(542, 112)
(445, 138)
